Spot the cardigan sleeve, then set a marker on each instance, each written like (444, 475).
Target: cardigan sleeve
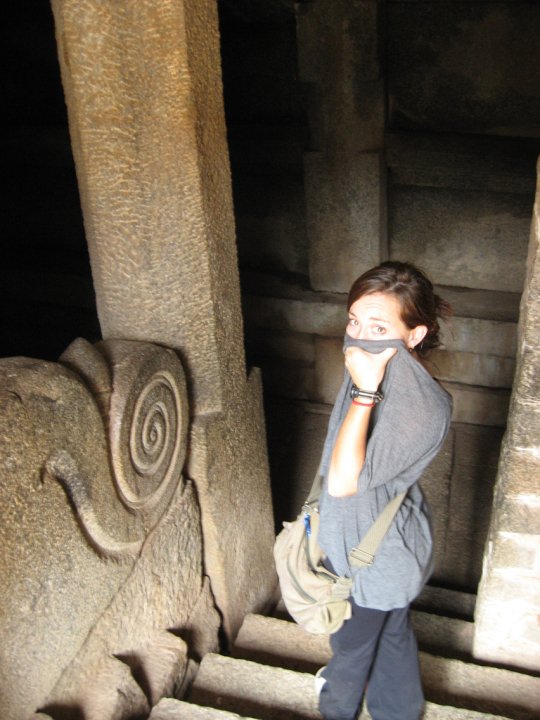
(410, 426)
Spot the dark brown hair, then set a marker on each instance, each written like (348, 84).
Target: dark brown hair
(419, 303)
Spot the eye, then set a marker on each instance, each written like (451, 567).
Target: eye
(353, 321)
(379, 329)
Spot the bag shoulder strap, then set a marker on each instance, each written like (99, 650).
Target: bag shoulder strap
(364, 553)
(314, 494)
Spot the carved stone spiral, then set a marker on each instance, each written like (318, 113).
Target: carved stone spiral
(148, 425)
(154, 439)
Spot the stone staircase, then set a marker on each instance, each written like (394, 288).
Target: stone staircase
(269, 675)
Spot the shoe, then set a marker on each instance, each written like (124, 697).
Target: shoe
(319, 680)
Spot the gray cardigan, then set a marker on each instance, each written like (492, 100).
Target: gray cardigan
(407, 430)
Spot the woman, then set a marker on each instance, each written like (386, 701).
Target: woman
(388, 423)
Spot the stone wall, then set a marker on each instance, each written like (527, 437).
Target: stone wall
(509, 595)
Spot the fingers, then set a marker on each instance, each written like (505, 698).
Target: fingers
(367, 369)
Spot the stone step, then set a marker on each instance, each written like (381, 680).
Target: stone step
(446, 680)
(270, 693)
(254, 690)
(446, 601)
(170, 709)
(436, 634)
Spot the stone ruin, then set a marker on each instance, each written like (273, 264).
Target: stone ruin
(137, 520)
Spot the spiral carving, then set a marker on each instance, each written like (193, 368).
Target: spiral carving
(148, 423)
(154, 440)
(140, 391)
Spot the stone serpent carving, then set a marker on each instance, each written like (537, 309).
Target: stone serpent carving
(141, 391)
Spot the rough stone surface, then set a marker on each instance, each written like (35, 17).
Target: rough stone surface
(462, 162)
(509, 593)
(76, 530)
(458, 67)
(477, 405)
(169, 709)
(148, 134)
(473, 239)
(149, 141)
(348, 83)
(159, 604)
(472, 369)
(229, 466)
(343, 200)
(268, 693)
(343, 179)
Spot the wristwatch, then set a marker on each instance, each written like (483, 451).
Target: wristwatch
(374, 396)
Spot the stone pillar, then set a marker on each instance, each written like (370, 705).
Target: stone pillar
(340, 58)
(143, 90)
(508, 607)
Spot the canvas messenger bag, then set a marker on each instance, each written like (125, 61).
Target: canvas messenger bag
(317, 599)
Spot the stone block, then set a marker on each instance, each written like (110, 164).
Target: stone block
(519, 514)
(329, 368)
(474, 239)
(527, 385)
(524, 422)
(484, 304)
(506, 628)
(472, 369)
(469, 515)
(302, 316)
(280, 345)
(343, 212)
(474, 162)
(457, 67)
(254, 690)
(286, 307)
(517, 550)
(466, 516)
(339, 55)
(446, 601)
(270, 221)
(478, 335)
(155, 184)
(106, 537)
(169, 709)
(288, 379)
(479, 406)
(518, 471)
(477, 446)
(435, 484)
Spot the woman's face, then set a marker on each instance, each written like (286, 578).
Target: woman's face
(378, 316)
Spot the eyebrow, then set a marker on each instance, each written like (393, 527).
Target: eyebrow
(372, 317)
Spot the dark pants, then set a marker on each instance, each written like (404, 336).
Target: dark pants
(377, 648)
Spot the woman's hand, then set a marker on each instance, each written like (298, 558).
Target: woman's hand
(367, 369)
